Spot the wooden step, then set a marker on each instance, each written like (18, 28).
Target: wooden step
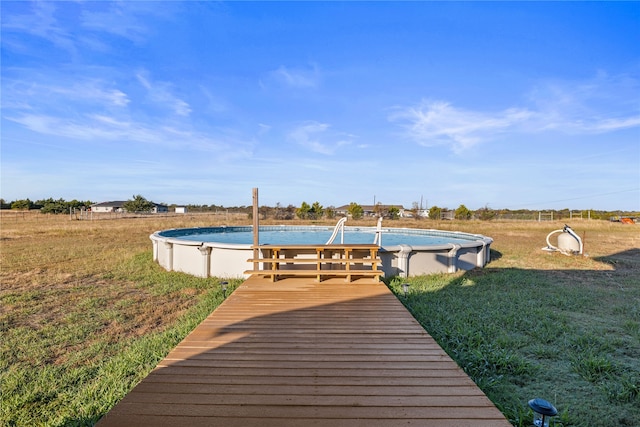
(318, 274)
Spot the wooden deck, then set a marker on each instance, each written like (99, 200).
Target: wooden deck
(301, 353)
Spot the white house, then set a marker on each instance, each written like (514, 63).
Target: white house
(105, 207)
(117, 206)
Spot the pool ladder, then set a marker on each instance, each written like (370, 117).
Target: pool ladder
(377, 240)
(339, 227)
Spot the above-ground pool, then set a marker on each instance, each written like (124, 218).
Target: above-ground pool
(224, 251)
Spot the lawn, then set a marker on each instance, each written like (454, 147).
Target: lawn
(86, 314)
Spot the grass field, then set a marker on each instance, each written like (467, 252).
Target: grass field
(86, 314)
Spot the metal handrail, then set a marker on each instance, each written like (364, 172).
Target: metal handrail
(339, 227)
(378, 239)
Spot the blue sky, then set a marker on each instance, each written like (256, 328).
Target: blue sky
(512, 105)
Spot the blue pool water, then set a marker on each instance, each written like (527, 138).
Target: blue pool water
(318, 235)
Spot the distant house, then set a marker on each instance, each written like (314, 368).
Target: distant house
(158, 208)
(117, 206)
(106, 207)
(422, 213)
(181, 209)
(370, 210)
(449, 215)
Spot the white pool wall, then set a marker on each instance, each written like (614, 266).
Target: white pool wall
(225, 260)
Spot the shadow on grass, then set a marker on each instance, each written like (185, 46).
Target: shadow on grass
(495, 255)
(569, 336)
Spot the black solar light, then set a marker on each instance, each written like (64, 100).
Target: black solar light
(224, 289)
(405, 288)
(542, 412)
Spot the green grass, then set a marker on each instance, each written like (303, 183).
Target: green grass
(522, 334)
(62, 372)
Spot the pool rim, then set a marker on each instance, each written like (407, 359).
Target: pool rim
(472, 239)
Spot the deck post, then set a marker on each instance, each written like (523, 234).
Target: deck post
(256, 229)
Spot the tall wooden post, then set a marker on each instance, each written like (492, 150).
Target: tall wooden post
(256, 229)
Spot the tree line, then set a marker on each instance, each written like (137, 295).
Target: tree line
(315, 211)
(50, 205)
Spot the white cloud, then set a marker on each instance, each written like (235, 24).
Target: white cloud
(115, 21)
(437, 122)
(35, 92)
(604, 103)
(315, 136)
(263, 129)
(215, 104)
(88, 127)
(296, 77)
(608, 125)
(160, 93)
(41, 22)
(307, 136)
(93, 91)
(102, 128)
(600, 105)
(96, 110)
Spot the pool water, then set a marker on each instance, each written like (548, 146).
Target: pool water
(293, 236)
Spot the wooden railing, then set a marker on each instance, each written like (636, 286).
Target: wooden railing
(319, 261)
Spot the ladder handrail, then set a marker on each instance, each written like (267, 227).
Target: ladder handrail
(339, 227)
(378, 239)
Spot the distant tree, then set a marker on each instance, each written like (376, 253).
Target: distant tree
(264, 211)
(78, 204)
(435, 212)
(290, 212)
(394, 212)
(53, 206)
(25, 204)
(355, 210)
(486, 214)
(463, 213)
(415, 210)
(138, 204)
(317, 211)
(303, 211)
(330, 212)
(378, 210)
(278, 212)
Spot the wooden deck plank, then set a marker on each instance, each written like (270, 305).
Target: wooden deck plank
(305, 356)
(394, 401)
(284, 372)
(437, 378)
(196, 421)
(346, 410)
(297, 352)
(294, 392)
